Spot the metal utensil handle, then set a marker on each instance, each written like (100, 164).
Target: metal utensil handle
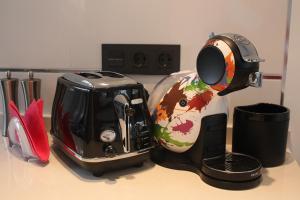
(9, 92)
(31, 89)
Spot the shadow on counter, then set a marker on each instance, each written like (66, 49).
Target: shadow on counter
(267, 179)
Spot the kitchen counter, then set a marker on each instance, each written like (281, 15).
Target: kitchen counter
(62, 179)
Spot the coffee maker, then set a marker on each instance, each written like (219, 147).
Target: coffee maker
(190, 110)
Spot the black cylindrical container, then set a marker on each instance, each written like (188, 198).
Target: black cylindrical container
(261, 131)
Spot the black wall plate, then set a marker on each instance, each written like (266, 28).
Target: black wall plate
(147, 59)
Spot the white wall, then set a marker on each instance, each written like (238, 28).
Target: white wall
(292, 95)
(69, 33)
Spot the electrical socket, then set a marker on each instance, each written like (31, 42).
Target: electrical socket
(147, 59)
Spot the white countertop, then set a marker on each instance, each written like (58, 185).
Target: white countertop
(65, 180)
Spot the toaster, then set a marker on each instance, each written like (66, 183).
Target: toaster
(101, 120)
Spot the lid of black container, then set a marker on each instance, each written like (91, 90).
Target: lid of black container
(262, 112)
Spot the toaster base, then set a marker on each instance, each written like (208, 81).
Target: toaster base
(98, 168)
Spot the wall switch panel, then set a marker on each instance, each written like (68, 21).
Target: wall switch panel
(147, 59)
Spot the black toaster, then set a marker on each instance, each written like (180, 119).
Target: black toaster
(101, 120)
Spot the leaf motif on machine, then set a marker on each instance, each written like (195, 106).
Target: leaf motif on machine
(183, 127)
(164, 137)
(172, 98)
(200, 100)
(196, 85)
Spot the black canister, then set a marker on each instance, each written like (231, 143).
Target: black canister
(261, 131)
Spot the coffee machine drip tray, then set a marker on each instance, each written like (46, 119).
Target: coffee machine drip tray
(231, 171)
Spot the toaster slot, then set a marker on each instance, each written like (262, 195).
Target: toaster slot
(90, 75)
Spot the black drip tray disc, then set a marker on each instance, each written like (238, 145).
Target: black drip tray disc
(231, 171)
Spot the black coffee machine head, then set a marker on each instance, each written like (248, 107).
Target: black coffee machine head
(229, 62)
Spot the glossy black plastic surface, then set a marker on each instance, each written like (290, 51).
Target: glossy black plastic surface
(80, 115)
(232, 167)
(261, 130)
(231, 185)
(242, 68)
(148, 59)
(98, 169)
(211, 65)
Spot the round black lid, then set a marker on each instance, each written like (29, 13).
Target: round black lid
(211, 65)
(262, 112)
(232, 171)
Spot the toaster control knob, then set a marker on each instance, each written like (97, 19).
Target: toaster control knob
(109, 151)
(108, 136)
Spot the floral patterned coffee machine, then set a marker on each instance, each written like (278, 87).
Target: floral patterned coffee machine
(190, 110)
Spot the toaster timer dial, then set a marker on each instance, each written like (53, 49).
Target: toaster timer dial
(108, 136)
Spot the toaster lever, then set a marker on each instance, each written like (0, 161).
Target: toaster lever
(124, 113)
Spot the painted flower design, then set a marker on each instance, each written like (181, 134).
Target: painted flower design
(161, 113)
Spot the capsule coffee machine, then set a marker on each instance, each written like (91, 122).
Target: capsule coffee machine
(190, 112)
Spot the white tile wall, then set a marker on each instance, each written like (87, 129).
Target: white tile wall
(68, 33)
(292, 96)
